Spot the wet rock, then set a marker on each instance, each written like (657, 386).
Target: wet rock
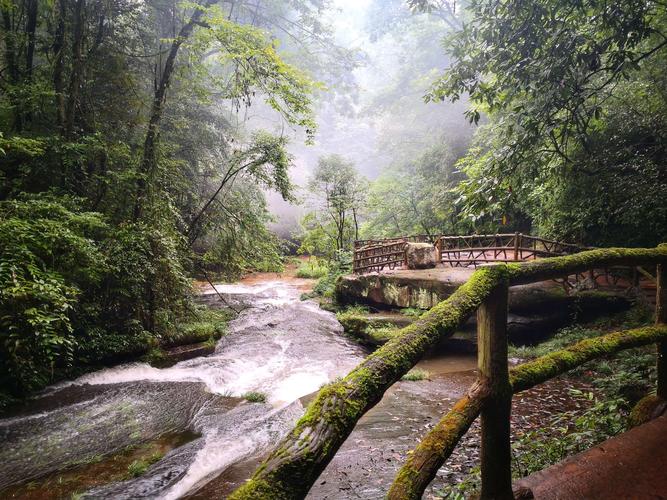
(190, 351)
(420, 256)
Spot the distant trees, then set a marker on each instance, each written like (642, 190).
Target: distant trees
(337, 196)
(416, 197)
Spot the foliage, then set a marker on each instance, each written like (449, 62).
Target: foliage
(630, 374)
(569, 433)
(71, 284)
(564, 434)
(138, 467)
(416, 197)
(312, 268)
(255, 397)
(200, 326)
(126, 167)
(47, 259)
(338, 196)
(339, 266)
(574, 143)
(415, 375)
(256, 67)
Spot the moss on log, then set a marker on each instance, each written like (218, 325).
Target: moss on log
(302, 455)
(439, 443)
(546, 367)
(559, 267)
(646, 409)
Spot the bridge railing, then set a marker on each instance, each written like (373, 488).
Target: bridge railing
(458, 251)
(298, 460)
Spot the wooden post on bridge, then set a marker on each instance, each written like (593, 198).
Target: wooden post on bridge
(496, 453)
(517, 245)
(661, 317)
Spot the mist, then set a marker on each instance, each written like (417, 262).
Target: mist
(372, 111)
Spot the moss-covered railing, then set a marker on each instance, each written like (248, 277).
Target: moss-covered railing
(295, 464)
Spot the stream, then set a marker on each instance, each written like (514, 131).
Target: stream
(78, 437)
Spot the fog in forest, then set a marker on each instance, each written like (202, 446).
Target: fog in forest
(378, 115)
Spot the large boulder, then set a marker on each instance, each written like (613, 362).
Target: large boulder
(420, 256)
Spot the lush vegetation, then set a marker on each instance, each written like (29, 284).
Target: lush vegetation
(127, 167)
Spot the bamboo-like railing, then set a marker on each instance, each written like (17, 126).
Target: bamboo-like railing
(297, 461)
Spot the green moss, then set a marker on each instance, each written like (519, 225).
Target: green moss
(156, 357)
(415, 375)
(535, 372)
(205, 324)
(647, 409)
(255, 397)
(555, 267)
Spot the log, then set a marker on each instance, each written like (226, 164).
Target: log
(559, 267)
(496, 450)
(422, 465)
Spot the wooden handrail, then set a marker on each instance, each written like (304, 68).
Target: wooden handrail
(439, 443)
(295, 464)
(459, 250)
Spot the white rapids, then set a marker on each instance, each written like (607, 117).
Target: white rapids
(278, 345)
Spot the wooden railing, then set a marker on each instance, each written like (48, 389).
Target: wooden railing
(458, 251)
(297, 461)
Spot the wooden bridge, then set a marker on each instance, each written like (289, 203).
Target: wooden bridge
(298, 460)
(458, 251)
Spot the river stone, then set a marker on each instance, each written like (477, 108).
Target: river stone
(420, 256)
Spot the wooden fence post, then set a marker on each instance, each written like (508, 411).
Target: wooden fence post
(516, 246)
(661, 317)
(496, 454)
(438, 249)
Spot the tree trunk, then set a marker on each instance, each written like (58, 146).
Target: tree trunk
(77, 68)
(12, 65)
(59, 63)
(356, 224)
(148, 162)
(31, 27)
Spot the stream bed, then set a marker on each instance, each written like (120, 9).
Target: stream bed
(80, 437)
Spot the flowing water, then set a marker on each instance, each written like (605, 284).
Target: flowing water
(278, 345)
(83, 436)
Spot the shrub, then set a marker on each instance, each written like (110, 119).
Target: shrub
(416, 374)
(47, 259)
(255, 397)
(312, 268)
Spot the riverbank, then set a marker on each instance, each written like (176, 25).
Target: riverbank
(236, 403)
